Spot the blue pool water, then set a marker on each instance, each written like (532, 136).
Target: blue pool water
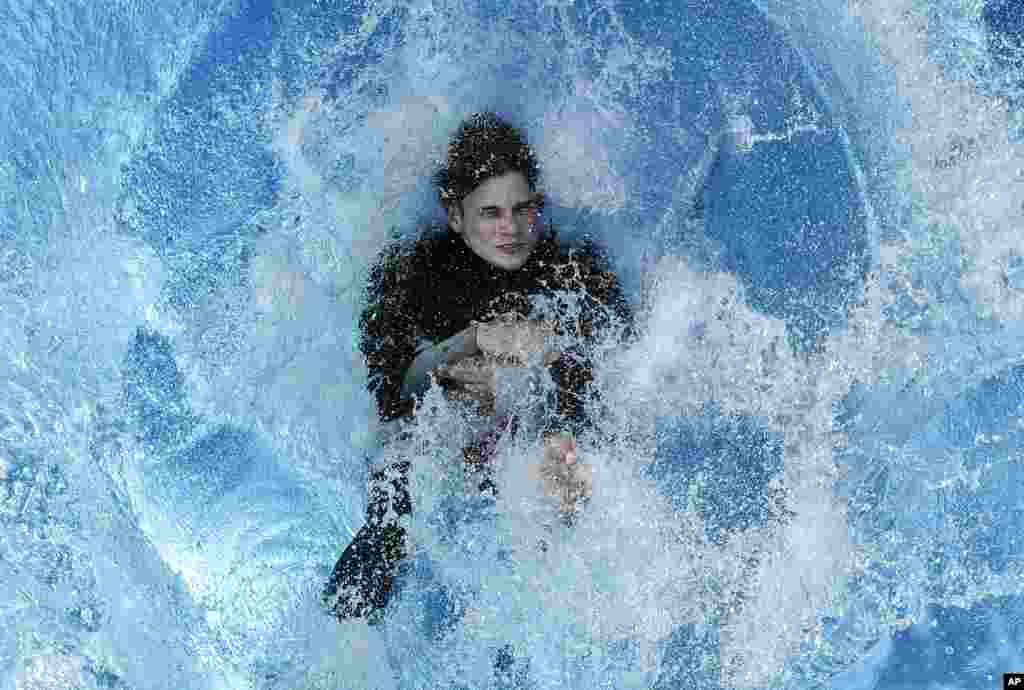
(818, 474)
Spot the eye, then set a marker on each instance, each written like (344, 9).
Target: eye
(489, 212)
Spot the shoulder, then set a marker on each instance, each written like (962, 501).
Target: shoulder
(395, 287)
(586, 265)
(404, 261)
(582, 263)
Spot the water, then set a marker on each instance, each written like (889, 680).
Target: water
(816, 480)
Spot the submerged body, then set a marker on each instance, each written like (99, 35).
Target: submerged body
(422, 301)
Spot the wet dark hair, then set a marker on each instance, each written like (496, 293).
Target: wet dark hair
(484, 146)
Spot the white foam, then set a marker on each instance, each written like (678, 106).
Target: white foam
(276, 357)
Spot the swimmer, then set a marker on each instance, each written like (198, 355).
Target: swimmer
(456, 307)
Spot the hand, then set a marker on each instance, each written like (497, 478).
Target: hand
(471, 378)
(510, 337)
(561, 472)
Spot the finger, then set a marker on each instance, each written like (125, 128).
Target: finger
(584, 479)
(551, 454)
(469, 377)
(470, 372)
(580, 486)
(572, 492)
(567, 449)
(479, 391)
(539, 335)
(561, 450)
(553, 449)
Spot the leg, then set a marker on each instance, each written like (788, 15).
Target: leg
(361, 583)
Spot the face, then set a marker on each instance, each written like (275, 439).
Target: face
(498, 221)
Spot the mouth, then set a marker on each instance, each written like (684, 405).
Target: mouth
(510, 248)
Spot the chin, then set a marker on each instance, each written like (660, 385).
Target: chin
(509, 263)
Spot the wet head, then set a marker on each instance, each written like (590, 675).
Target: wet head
(489, 190)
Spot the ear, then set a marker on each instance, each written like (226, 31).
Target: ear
(455, 217)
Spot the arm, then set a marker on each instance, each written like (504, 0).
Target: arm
(387, 334)
(460, 346)
(398, 369)
(361, 583)
(605, 310)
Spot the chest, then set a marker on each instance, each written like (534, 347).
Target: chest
(451, 307)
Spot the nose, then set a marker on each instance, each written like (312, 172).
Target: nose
(505, 225)
(505, 219)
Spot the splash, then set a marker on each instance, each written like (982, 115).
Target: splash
(183, 428)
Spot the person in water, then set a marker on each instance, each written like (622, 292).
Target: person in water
(456, 307)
